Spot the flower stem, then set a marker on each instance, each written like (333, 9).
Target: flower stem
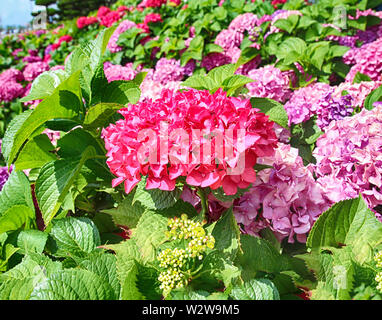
(204, 202)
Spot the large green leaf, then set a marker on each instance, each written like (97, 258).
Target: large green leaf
(256, 289)
(45, 84)
(55, 180)
(348, 222)
(273, 109)
(227, 235)
(64, 103)
(127, 214)
(103, 265)
(98, 115)
(73, 284)
(36, 153)
(74, 236)
(19, 282)
(374, 96)
(16, 191)
(155, 198)
(16, 217)
(259, 255)
(149, 234)
(13, 127)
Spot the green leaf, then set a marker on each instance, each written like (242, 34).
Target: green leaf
(373, 97)
(36, 153)
(9, 137)
(219, 74)
(55, 180)
(98, 115)
(247, 55)
(74, 236)
(121, 92)
(16, 191)
(212, 47)
(155, 198)
(19, 282)
(127, 214)
(64, 103)
(104, 265)
(75, 142)
(200, 83)
(45, 84)
(338, 51)
(256, 289)
(31, 241)
(235, 82)
(273, 109)
(360, 77)
(259, 255)
(73, 284)
(317, 52)
(291, 50)
(227, 235)
(348, 222)
(17, 217)
(149, 234)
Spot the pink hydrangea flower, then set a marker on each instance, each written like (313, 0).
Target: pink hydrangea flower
(349, 158)
(117, 72)
(244, 22)
(358, 91)
(229, 38)
(269, 82)
(302, 104)
(367, 60)
(285, 199)
(33, 70)
(151, 90)
(215, 59)
(168, 70)
(11, 75)
(128, 154)
(10, 90)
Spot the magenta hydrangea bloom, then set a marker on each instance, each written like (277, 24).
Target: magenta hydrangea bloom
(269, 82)
(33, 70)
(302, 104)
(285, 198)
(11, 75)
(123, 27)
(215, 59)
(10, 90)
(349, 158)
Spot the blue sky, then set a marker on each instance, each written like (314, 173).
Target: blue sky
(15, 12)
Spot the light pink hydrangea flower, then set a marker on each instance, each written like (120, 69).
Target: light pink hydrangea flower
(301, 106)
(349, 157)
(269, 82)
(358, 91)
(33, 70)
(285, 198)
